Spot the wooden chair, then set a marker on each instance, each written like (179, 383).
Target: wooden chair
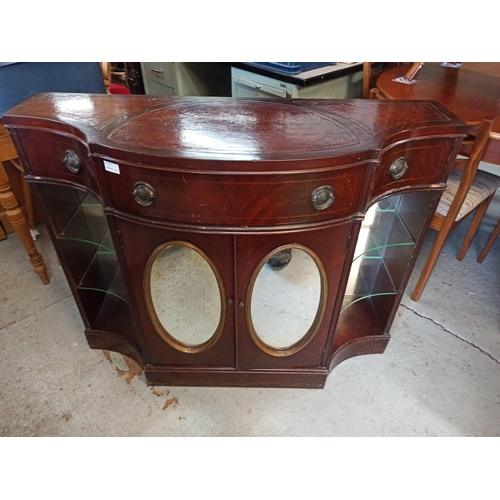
(111, 87)
(370, 73)
(468, 190)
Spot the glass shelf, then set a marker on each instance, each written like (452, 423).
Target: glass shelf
(372, 279)
(88, 225)
(381, 228)
(102, 275)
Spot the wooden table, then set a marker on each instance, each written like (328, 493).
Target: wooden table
(472, 92)
(14, 213)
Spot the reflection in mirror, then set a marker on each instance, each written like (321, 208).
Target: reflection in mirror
(185, 295)
(285, 301)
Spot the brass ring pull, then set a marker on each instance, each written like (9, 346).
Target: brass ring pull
(144, 193)
(72, 162)
(398, 169)
(322, 197)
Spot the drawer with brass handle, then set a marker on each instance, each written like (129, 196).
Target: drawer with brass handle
(235, 199)
(58, 156)
(411, 163)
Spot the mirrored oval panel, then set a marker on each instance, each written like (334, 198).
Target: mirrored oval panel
(185, 296)
(286, 299)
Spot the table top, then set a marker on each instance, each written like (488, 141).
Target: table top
(230, 129)
(472, 92)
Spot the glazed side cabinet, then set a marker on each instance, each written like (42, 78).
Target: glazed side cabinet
(236, 242)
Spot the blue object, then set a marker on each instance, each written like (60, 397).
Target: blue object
(292, 68)
(18, 81)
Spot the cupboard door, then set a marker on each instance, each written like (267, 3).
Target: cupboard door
(183, 286)
(284, 310)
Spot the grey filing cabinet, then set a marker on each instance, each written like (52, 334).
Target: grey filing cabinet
(158, 78)
(186, 79)
(340, 81)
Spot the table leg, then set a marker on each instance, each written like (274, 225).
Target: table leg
(29, 210)
(16, 218)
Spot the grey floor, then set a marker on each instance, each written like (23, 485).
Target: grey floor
(438, 377)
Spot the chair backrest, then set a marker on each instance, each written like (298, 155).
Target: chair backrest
(370, 75)
(470, 165)
(106, 74)
(18, 81)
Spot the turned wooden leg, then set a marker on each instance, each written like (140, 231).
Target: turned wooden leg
(494, 235)
(28, 205)
(3, 236)
(478, 216)
(16, 218)
(29, 210)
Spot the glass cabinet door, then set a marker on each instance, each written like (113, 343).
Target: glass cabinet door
(384, 250)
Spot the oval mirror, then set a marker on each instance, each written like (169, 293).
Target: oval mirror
(286, 302)
(186, 297)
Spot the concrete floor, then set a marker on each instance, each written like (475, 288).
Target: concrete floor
(438, 377)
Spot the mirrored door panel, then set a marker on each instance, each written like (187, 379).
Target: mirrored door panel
(285, 283)
(286, 300)
(184, 289)
(185, 296)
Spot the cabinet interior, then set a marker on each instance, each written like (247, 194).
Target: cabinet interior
(385, 246)
(86, 245)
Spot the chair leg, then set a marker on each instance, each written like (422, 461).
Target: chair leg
(476, 220)
(16, 218)
(429, 265)
(494, 235)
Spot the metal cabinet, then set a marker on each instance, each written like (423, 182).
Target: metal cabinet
(186, 78)
(340, 81)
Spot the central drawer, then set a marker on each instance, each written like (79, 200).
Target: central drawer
(235, 199)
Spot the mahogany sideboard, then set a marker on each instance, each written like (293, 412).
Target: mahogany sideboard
(236, 242)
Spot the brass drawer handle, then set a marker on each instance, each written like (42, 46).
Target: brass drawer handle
(398, 169)
(72, 162)
(322, 197)
(144, 193)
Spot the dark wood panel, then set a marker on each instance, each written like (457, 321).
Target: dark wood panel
(299, 379)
